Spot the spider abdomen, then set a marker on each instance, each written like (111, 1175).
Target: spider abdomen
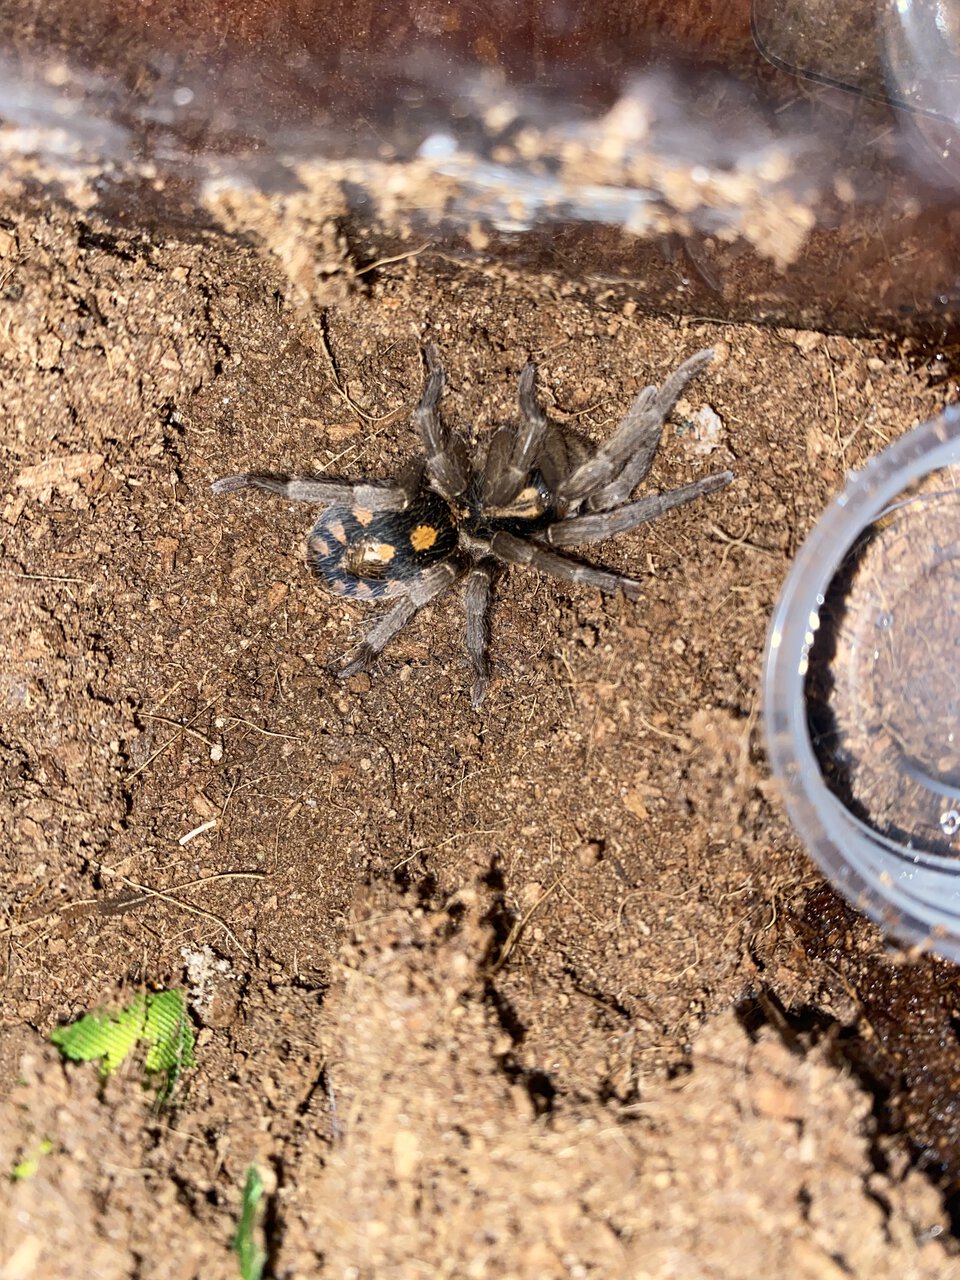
(373, 555)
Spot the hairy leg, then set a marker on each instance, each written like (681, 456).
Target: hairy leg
(476, 599)
(642, 418)
(637, 435)
(447, 461)
(433, 582)
(514, 453)
(374, 497)
(604, 524)
(511, 550)
(561, 452)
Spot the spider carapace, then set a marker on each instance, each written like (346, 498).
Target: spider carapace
(456, 516)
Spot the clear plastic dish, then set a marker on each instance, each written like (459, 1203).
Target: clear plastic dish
(862, 689)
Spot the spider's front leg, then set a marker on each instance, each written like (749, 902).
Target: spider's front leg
(513, 453)
(610, 475)
(446, 458)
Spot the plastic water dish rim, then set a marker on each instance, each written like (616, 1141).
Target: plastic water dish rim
(912, 894)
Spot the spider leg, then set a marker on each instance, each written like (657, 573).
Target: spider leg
(604, 524)
(649, 431)
(374, 497)
(512, 550)
(447, 460)
(476, 598)
(638, 434)
(379, 635)
(497, 460)
(422, 590)
(562, 450)
(507, 469)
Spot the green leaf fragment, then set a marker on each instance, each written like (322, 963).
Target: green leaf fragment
(168, 1032)
(157, 1018)
(101, 1036)
(29, 1165)
(252, 1257)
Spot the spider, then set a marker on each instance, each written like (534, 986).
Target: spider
(452, 516)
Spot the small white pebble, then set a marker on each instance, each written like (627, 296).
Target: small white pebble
(707, 431)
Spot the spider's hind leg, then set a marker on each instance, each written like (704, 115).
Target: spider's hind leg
(476, 599)
(327, 493)
(378, 636)
(425, 587)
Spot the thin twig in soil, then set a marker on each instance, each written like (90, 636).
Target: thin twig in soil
(513, 936)
(661, 733)
(338, 387)
(267, 733)
(209, 825)
(660, 976)
(194, 733)
(49, 577)
(22, 926)
(233, 787)
(170, 741)
(458, 835)
(400, 257)
(172, 900)
(741, 540)
(580, 907)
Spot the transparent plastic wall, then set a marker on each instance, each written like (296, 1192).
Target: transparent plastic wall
(782, 161)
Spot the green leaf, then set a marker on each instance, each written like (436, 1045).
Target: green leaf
(28, 1166)
(158, 1018)
(168, 1032)
(252, 1257)
(100, 1036)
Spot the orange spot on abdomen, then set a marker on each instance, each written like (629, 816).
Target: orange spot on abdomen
(423, 537)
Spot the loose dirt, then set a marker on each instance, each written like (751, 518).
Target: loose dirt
(544, 989)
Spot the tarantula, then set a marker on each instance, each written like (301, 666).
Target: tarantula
(451, 516)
